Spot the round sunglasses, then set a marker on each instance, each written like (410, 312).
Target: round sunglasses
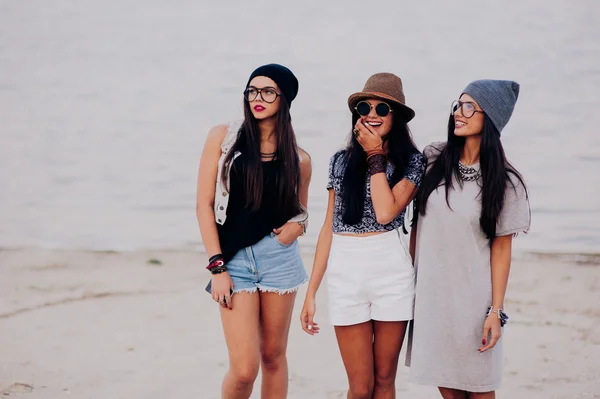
(363, 108)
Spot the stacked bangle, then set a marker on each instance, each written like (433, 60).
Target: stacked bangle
(215, 257)
(218, 270)
(216, 264)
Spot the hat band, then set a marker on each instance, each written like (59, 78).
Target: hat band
(384, 95)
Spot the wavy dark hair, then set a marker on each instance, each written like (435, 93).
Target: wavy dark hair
(288, 175)
(495, 173)
(400, 147)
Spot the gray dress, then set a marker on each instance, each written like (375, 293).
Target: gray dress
(454, 287)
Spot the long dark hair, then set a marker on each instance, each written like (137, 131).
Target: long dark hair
(288, 175)
(400, 147)
(495, 171)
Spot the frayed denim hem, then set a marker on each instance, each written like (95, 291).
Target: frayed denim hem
(250, 290)
(281, 291)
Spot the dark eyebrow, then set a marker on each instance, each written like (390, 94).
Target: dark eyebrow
(263, 88)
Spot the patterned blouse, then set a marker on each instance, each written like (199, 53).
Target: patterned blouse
(337, 165)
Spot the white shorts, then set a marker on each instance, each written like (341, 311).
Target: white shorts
(370, 278)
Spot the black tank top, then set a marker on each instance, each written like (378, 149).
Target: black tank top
(244, 227)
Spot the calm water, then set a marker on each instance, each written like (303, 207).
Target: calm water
(105, 105)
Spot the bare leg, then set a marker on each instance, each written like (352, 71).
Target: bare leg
(482, 395)
(389, 336)
(275, 319)
(356, 347)
(241, 328)
(448, 393)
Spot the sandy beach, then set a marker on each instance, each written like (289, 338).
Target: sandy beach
(106, 107)
(108, 325)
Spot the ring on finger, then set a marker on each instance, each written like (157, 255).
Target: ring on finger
(356, 132)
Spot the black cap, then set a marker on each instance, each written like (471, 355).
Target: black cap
(281, 75)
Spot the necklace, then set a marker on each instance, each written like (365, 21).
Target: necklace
(469, 173)
(267, 155)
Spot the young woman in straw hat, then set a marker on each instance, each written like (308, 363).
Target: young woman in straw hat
(252, 179)
(470, 204)
(369, 271)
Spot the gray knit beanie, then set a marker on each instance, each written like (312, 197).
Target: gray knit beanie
(497, 98)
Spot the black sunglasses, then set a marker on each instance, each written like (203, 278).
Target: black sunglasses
(363, 108)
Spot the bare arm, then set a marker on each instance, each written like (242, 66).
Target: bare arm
(305, 176)
(205, 199)
(412, 246)
(323, 248)
(390, 202)
(290, 231)
(205, 196)
(387, 202)
(500, 264)
(318, 270)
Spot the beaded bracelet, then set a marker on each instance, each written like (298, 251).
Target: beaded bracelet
(218, 269)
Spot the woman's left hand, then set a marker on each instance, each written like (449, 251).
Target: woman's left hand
(366, 137)
(288, 233)
(491, 325)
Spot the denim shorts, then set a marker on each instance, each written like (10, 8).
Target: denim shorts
(268, 266)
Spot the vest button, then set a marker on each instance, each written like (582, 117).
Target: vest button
(219, 220)
(224, 194)
(221, 208)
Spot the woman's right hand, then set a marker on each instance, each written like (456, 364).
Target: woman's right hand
(307, 315)
(222, 287)
(368, 138)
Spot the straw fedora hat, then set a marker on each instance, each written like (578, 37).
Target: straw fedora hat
(386, 87)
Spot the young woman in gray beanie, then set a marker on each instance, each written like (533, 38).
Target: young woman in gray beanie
(252, 196)
(470, 205)
(370, 278)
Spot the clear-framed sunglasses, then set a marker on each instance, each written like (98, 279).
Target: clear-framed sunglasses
(467, 108)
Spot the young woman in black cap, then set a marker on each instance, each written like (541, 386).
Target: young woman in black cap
(470, 205)
(370, 277)
(251, 206)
